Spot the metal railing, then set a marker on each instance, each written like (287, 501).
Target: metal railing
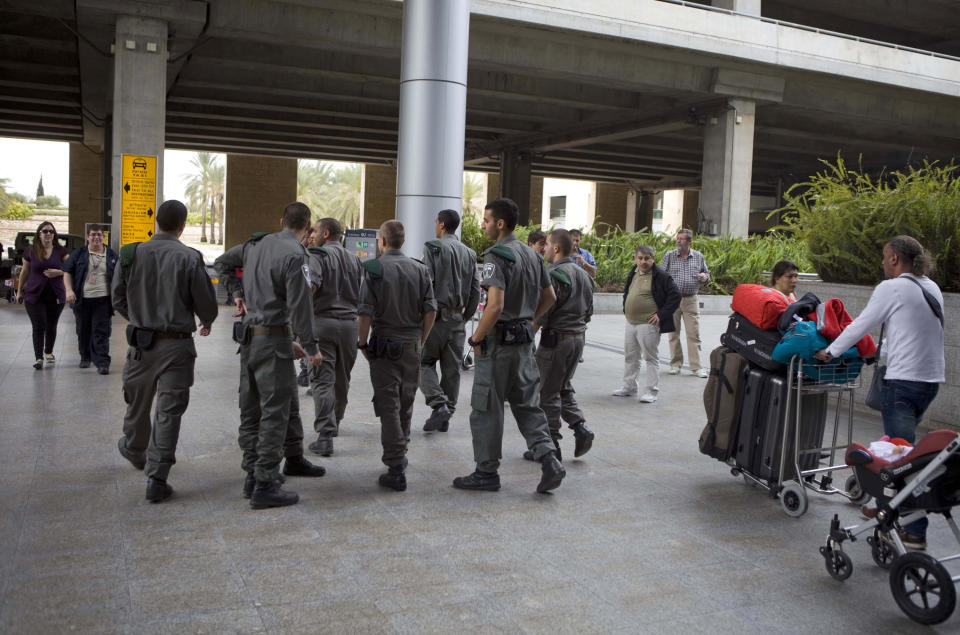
(804, 27)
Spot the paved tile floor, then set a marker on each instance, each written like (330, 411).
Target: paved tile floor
(645, 535)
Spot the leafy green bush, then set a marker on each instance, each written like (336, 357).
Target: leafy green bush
(845, 217)
(731, 261)
(17, 210)
(48, 202)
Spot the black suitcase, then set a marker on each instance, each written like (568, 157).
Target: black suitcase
(813, 419)
(752, 424)
(751, 341)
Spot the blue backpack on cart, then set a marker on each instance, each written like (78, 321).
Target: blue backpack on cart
(804, 340)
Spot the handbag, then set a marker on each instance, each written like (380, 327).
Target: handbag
(874, 397)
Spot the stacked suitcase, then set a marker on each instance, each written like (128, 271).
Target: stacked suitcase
(753, 440)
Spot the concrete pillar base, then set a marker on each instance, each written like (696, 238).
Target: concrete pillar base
(611, 204)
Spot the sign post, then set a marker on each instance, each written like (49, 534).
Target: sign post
(138, 198)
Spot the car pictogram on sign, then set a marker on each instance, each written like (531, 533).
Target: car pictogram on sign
(139, 163)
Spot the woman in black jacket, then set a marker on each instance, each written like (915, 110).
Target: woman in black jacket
(650, 298)
(88, 274)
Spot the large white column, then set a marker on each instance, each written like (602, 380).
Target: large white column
(728, 169)
(433, 105)
(139, 101)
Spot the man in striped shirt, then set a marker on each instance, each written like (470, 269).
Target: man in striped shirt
(688, 270)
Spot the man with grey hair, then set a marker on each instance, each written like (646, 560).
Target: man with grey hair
(688, 270)
(650, 298)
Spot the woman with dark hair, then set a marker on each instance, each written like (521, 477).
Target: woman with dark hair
(910, 307)
(41, 285)
(784, 279)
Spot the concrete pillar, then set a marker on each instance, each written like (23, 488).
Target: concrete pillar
(536, 200)
(433, 112)
(728, 169)
(515, 181)
(645, 212)
(740, 6)
(611, 206)
(139, 102)
(86, 190)
(691, 203)
(258, 188)
(493, 187)
(378, 196)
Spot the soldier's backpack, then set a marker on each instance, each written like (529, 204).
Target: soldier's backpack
(721, 400)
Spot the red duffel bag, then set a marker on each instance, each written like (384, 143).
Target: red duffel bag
(759, 304)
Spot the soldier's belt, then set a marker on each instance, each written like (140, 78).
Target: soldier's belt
(172, 335)
(569, 336)
(272, 330)
(448, 312)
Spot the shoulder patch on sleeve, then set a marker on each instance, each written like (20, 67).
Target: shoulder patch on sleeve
(127, 252)
(504, 252)
(560, 275)
(374, 267)
(318, 250)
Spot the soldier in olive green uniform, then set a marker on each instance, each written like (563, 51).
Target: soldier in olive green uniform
(562, 327)
(456, 288)
(158, 287)
(336, 275)
(397, 300)
(276, 296)
(518, 291)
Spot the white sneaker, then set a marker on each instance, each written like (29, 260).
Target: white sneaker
(674, 370)
(703, 373)
(648, 398)
(623, 392)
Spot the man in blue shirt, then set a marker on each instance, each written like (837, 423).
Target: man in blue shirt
(582, 257)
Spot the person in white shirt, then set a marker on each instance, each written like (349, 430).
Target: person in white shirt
(913, 345)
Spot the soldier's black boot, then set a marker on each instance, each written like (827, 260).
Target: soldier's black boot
(268, 494)
(438, 419)
(322, 446)
(486, 481)
(136, 460)
(528, 455)
(583, 437)
(250, 482)
(158, 490)
(299, 466)
(553, 473)
(394, 479)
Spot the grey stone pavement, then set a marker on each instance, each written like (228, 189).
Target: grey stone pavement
(645, 534)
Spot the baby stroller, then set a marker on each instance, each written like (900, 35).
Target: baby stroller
(925, 481)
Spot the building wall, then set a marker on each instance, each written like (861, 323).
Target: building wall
(86, 189)
(258, 188)
(378, 195)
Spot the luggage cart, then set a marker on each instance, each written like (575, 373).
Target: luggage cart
(798, 470)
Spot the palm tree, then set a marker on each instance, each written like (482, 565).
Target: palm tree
(342, 200)
(4, 197)
(472, 194)
(204, 187)
(313, 179)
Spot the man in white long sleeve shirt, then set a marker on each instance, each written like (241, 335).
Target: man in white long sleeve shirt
(913, 345)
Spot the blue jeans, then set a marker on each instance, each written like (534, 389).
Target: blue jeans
(904, 403)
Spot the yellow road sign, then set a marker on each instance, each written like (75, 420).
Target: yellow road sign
(138, 204)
